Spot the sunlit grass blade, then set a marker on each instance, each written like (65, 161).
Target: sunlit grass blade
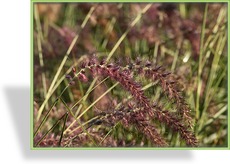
(78, 121)
(63, 62)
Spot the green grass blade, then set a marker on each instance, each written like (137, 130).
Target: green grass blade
(63, 62)
(200, 68)
(65, 119)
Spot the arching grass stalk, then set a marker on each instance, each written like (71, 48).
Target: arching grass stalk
(83, 99)
(67, 72)
(86, 95)
(63, 62)
(134, 22)
(65, 119)
(45, 118)
(91, 88)
(98, 99)
(56, 123)
(55, 87)
(85, 123)
(79, 122)
(58, 83)
(114, 49)
(117, 106)
(108, 133)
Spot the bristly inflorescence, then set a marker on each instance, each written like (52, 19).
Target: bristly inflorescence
(169, 85)
(131, 115)
(144, 111)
